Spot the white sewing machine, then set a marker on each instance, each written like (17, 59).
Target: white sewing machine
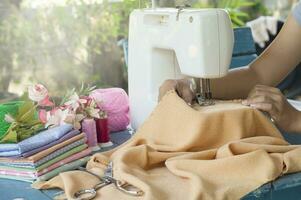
(167, 43)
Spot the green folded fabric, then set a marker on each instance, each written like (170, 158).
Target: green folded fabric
(67, 167)
(19, 169)
(62, 156)
(7, 108)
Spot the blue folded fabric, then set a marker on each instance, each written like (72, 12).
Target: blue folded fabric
(36, 141)
(8, 147)
(13, 153)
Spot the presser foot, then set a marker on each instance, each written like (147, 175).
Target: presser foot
(202, 100)
(204, 96)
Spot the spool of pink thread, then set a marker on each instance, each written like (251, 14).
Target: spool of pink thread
(115, 102)
(89, 128)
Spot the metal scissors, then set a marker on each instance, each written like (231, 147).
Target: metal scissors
(107, 179)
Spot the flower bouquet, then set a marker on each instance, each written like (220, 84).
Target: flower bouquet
(38, 112)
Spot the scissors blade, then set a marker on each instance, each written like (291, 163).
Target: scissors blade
(89, 172)
(122, 186)
(109, 170)
(108, 174)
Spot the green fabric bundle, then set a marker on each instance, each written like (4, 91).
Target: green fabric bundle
(7, 108)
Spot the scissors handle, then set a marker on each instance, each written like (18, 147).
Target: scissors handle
(123, 186)
(104, 182)
(88, 194)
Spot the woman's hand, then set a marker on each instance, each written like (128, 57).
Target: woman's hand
(182, 87)
(272, 101)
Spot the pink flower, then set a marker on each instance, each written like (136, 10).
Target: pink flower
(43, 116)
(75, 120)
(75, 102)
(92, 112)
(46, 102)
(39, 93)
(56, 117)
(87, 99)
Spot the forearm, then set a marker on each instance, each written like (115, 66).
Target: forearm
(237, 84)
(270, 68)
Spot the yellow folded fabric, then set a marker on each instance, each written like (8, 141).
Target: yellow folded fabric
(52, 149)
(219, 152)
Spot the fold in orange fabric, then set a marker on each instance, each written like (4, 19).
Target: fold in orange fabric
(217, 152)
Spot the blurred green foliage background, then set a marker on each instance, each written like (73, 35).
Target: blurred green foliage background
(65, 44)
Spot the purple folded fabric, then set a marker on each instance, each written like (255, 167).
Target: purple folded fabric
(60, 140)
(44, 138)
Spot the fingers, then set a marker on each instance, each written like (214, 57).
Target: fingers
(264, 94)
(259, 99)
(182, 87)
(165, 87)
(261, 94)
(184, 90)
(272, 101)
(266, 99)
(262, 89)
(263, 103)
(269, 108)
(267, 88)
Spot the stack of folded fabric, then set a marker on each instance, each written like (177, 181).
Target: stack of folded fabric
(44, 155)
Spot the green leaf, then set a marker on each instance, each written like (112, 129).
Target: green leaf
(26, 112)
(10, 135)
(237, 21)
(24, 133)
(241, 14)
